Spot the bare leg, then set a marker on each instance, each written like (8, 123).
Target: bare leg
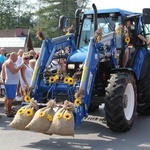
(6, 101)
(9, 106)
(125, 57)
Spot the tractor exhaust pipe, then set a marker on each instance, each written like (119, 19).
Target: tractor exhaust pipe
(95, 16)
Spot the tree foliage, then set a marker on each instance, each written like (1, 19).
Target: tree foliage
(15, 13)
(44, 15)
(49, 13)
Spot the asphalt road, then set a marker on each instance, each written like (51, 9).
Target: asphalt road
(90, 135)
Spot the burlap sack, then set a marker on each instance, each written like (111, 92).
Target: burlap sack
(63, 122)
(42, 118)
(24, 115)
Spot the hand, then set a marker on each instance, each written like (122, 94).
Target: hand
(147, 42)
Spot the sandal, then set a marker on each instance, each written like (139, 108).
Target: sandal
(13, 112)
(10, 116)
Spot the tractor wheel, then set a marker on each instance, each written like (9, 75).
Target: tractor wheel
(120, 105)
(143, 103)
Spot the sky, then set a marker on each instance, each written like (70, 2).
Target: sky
(131, 5)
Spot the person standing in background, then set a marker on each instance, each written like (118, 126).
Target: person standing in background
(26, 73)
(3, 75)
(19, 61)
(11, 81)
(2, 57)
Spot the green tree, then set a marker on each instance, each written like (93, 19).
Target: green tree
(15, 13)
(49, 13)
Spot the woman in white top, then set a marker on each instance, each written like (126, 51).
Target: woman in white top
(26, 73)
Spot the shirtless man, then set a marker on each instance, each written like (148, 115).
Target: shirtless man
(12, 80)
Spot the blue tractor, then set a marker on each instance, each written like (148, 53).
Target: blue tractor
(94, 73)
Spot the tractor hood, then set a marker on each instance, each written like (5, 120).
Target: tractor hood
(79, 55)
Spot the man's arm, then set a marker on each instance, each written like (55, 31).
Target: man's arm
(10, 65)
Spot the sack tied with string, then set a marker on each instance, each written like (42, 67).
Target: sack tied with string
(24, 115)
(63, 121)
(42, 118)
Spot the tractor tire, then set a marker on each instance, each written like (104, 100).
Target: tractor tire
(121, 100)
(143, 102)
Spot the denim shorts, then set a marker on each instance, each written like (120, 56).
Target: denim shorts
(10, 90)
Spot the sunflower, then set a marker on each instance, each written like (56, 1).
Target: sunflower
(66, 79)
(27, 98)
(98, 39)
(51, 79)
(29, 112)
(49, 117)
(70, 81)
(59, 115)
(77, 102)
(20, 111)
(67, 116)
(41, 113)
(127, 39)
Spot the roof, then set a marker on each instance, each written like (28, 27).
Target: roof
(111, 10)
(15, 39)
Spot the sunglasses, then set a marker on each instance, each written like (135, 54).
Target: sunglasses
(26, 58)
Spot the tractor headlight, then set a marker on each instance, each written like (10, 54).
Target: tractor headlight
(71, 66)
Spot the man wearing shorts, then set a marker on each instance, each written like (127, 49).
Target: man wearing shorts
(11, 81)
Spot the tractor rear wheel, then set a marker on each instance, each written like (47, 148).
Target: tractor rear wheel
(143, 103)
(120, 105)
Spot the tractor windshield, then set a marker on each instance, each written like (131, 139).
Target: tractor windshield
(106, 23)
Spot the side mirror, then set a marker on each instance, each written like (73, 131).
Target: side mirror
(63, 21)
(146, 15)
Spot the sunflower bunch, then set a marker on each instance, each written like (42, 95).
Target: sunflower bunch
(43, 114)
(53, 79)
(69, 80)
(28, 112)
(66, 116)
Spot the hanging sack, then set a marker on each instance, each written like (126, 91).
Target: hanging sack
(63, 121)
(24, 115)
(42, 118)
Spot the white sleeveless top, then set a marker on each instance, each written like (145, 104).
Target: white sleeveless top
(28, 75)
(11, 78)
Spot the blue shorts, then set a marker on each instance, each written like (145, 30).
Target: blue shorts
(10, 90)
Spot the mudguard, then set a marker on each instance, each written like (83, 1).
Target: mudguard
(141, 63)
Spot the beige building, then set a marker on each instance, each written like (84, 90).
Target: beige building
(15, 39)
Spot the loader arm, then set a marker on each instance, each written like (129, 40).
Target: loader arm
(48, 49)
